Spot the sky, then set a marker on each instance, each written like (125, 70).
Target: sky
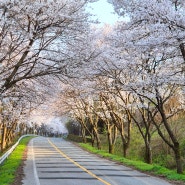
(103, 12)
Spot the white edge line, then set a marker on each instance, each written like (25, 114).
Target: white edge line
(34, 166)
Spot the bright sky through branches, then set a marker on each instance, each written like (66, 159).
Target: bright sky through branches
(104, 12)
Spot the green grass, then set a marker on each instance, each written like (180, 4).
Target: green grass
(8, 169)
(139, 165)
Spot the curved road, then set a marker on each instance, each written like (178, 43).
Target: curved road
(54, 161)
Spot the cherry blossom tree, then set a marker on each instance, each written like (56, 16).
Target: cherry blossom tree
(154, 38)
(39, 38)
(16, 108)
(159, 25)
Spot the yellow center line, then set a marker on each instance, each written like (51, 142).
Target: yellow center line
(89, 172)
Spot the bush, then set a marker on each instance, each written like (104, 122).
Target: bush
(77, 139)
(73, 127)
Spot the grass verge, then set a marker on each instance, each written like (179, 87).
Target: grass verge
(139, 165)
(8, 169)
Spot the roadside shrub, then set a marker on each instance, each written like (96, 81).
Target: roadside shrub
(76, 138)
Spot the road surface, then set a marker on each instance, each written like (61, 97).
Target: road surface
(54, 161)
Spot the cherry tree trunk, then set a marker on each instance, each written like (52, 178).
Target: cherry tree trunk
(98, 142)
(175, 146)
(111, 148)
(84, 135)
(3, 139)
(178, 158)
(148, 153)
(92, 139)
(125, 149)
(125, 144)
(97, 138)
(111, 145)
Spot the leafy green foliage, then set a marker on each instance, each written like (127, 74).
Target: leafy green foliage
(73, 127)
(74, 138)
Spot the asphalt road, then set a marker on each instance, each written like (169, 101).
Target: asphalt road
(54, 161)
